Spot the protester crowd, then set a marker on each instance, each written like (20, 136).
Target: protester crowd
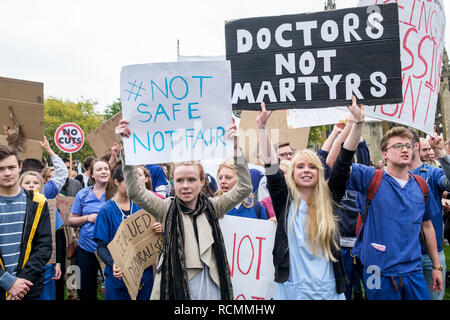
(345, 229)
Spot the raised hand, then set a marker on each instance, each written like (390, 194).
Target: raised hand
(122, 128)
(233, 133)
(263, 117)
(357, 112)
(437, 144)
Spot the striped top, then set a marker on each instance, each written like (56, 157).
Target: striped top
(12, 216)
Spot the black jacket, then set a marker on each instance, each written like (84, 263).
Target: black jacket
(36, 247)
(281, 201)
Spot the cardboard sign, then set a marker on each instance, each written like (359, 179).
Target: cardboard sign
(249, 245)
(102, 138)
(315, 60)
(52, 211)
(69, 137)
(29, 115)
(32, 148)
(177, 111)
(64, 205)
(21, 90)
(278, 131)
(422, 35)
(135, 247)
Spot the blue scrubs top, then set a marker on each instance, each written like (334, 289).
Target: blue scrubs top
(92, 204)
(248, 212)
(311, 277)
(392, 227)
(434, 178)
(108, 221)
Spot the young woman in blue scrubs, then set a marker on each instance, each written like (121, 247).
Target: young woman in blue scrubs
(85, 208)
(307, 258)
(110, 216)
(250, 207)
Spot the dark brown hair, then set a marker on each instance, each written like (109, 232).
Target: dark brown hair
(7, 151)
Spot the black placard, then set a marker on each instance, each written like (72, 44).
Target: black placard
(316, 60)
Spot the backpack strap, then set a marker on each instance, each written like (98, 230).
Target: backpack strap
(371, 191)
(424, 188)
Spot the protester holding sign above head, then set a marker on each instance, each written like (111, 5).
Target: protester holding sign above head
(307, 257)
(194, 263)
(117, 208)
(86, 206)
(57, 180)
(250, 207)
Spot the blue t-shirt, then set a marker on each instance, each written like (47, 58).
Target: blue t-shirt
(92, 204)
(249, 212)
(108, 221)
(393, 223)
(434, 178)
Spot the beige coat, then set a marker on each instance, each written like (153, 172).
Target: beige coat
(195, 252)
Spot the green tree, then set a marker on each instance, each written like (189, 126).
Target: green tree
(58, 112)
(315, 136)
(112, 109)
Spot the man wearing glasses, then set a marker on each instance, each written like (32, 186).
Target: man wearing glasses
(438, 182)
(284, 151)
(389, 247)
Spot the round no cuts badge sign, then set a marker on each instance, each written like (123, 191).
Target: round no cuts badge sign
(69, 137)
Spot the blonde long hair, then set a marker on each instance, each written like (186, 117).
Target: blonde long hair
(321, 222)
(248, 202)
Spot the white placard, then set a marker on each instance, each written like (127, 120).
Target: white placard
(422, 34)
(177, 111)
(249, 245)
(303, 118)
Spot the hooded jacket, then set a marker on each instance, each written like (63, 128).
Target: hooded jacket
(36, 246)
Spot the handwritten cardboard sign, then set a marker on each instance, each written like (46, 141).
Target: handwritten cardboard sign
(315, 60)
(177, 111)
(64, 205)
(134, 248)
(249, 245)
(422, 35)
(102, 138)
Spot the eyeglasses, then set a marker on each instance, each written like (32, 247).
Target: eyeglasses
(399, 146)
(286, 154)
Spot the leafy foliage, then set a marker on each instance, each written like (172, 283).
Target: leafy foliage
(58, 112)
(112, 109)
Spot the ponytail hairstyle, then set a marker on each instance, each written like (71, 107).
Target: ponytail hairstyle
(321, 222)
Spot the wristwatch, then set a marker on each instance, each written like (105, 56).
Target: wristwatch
(440, 268)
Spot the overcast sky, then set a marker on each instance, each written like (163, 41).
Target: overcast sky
(77, 48)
